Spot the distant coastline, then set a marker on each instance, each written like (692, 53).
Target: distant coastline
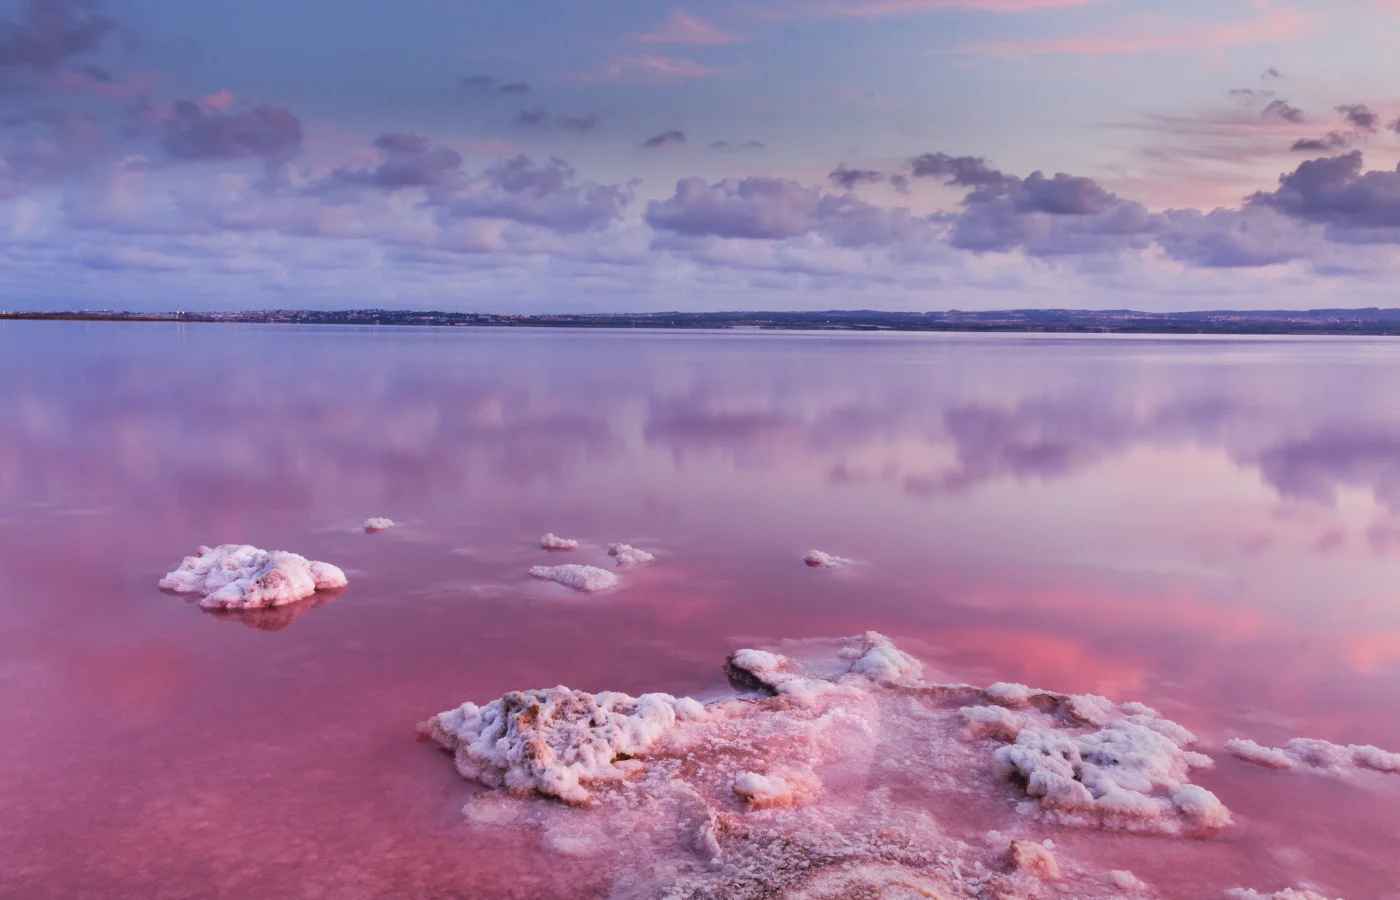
(1370, 321)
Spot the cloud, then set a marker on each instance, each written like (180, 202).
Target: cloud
(1282, 109)
(754, 207)
(880, 9)
(683, 28)
(1332, 140)
(1359, 117)
(49, 33)
(541, 119)
(515, 87)
(746, 146)
(549, 195)
(1336, 192)
(478, 81)
(850, 178)
(197, 132)
(664, 139)
(970, 171)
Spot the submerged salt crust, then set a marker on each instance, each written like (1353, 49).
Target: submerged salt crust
(627, 555)
(240, 576)
(552, 541)
(580, 578)
(819, 560)
(767, 793)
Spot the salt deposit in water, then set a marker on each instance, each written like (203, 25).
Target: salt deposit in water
(1312, 753)
(1285, 894)
(819, 560)
(378, 524)
(580, 578)
(627, 555)
(555, 543)
(239, 576)
(788, 787)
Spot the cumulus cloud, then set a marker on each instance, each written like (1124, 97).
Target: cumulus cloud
(664, 139)
(1335, 191)
(968, 171)
(753, 207)
(548, 194)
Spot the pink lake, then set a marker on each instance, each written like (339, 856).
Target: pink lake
(1208, 526)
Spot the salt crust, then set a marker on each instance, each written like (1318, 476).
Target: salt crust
(553, 542)
(1316, 754)
(239, 576)
(378, 524)
(819, 560)
(790, 788)
(1285, 894)
(580, 578)
(627, 555)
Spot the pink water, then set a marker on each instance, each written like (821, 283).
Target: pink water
(1209, 526)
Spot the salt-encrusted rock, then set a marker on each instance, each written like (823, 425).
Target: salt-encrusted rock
(554, 741)
(819, 560)
(377, 524)
(627, 555)
(552, 541)
(580, 578)
(763, 791)
(239, 576)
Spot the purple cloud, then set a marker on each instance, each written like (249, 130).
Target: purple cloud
(49, 33)
(664, 139)
(196, 133)
(736, 146)
(1335, 191)
(1284, 110)
(968, 171)
(754, 207)
(548, 195)
(1359, 117)
(850, 178)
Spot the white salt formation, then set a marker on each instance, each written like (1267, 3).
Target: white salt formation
(378, 524)
(580, 578)
(816, 780)
(819, 560)
(627, 555)
(1316, 754)
(238, 576)
(553, 542)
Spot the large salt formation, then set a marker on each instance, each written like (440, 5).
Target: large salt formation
(627, 555)
(817, 779)
(239, 576)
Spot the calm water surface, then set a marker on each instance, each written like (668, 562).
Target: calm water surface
(1209, 526)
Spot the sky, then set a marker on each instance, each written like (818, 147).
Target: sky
(622, 155)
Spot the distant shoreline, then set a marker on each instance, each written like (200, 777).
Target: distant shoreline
(1362, 322)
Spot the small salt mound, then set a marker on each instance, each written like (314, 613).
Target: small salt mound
(1125, 880)
(552, 741)
(627, 555)
(580, 578)
(763, 791)
(1034, 859)
(552, 541)
(1316, 754)
(378, 524)
(1285, 894)
(990, 721)
(239, 576)
(819, 560)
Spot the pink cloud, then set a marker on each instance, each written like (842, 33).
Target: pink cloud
(1273, 25)
(654, 69)
(683, 28)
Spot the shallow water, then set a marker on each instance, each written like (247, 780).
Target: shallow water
(1210, 526)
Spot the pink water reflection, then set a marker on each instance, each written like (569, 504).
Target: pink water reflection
(1201, 525)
